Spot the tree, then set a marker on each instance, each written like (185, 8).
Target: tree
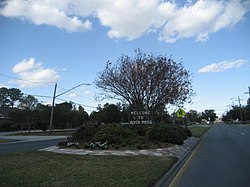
(235, 114)
(193, 116)
(14, 95)
(146, 81)
(96, 117)
(28, 102)
(4, 100)
(209, 115)
(84, 116)
(42, 115)
(8, 97)
(62, 115)
(28, 105)
(111, 113)
(78, 117)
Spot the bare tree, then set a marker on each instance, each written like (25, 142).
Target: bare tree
(146, 81)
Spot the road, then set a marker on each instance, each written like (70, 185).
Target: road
(221, 159)
(28, 143)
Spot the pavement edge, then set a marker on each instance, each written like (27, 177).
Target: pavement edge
(169, 176)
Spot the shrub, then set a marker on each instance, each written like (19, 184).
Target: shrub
(167, 134)
(85, 133)
(113, 134)
(42, 126)
(117, 136)
(8, 126)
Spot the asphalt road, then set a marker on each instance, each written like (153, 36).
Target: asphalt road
(27, 145)
(221, 159)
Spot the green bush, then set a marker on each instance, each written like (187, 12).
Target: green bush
(85, 133)
(8, 126)
(168, 134)
(114, 134)
(118, 136)
(42, 126)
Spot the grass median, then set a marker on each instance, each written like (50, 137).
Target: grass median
(54, 133)
(51, 169)
(198, 131)
(7, 140)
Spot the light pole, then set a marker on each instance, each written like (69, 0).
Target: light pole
(53, 102)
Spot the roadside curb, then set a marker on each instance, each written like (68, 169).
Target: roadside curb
(169, 176)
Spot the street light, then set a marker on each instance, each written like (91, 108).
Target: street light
(53, 102)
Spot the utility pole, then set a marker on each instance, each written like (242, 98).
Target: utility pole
(248, 91)
(53, 102)
(238, 99)
(241, 118)
(248, 101)
(52, 109)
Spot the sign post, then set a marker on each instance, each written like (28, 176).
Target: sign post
(180, 114)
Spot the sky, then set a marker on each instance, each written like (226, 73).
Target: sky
(43, 42)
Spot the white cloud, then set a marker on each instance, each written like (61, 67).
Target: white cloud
(202, 18)
(44, 12)
(33, 74)
(222, 66)
(26, 65)
(131, 19)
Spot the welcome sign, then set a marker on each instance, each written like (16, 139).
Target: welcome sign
(140, 117)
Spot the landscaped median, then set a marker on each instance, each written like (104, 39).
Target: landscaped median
(53, 169)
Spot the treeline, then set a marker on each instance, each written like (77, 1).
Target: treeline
(237, 114)
(30, 114)
(111, 113)
(27, 113)
(66, 115)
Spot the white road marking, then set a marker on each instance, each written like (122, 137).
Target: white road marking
(242, 133)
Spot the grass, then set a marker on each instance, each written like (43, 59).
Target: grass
(198, 131)
(54, 133)
(51, 169)
(6, 141)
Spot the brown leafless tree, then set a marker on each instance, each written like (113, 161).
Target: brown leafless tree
(146, 81)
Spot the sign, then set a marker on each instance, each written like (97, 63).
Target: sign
(180, 113)
(140, 117)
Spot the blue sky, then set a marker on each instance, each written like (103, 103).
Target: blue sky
(69, 41)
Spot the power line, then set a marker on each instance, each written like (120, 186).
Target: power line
(48, 84)
(76, 103)
(44, 96)
(77, 94)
